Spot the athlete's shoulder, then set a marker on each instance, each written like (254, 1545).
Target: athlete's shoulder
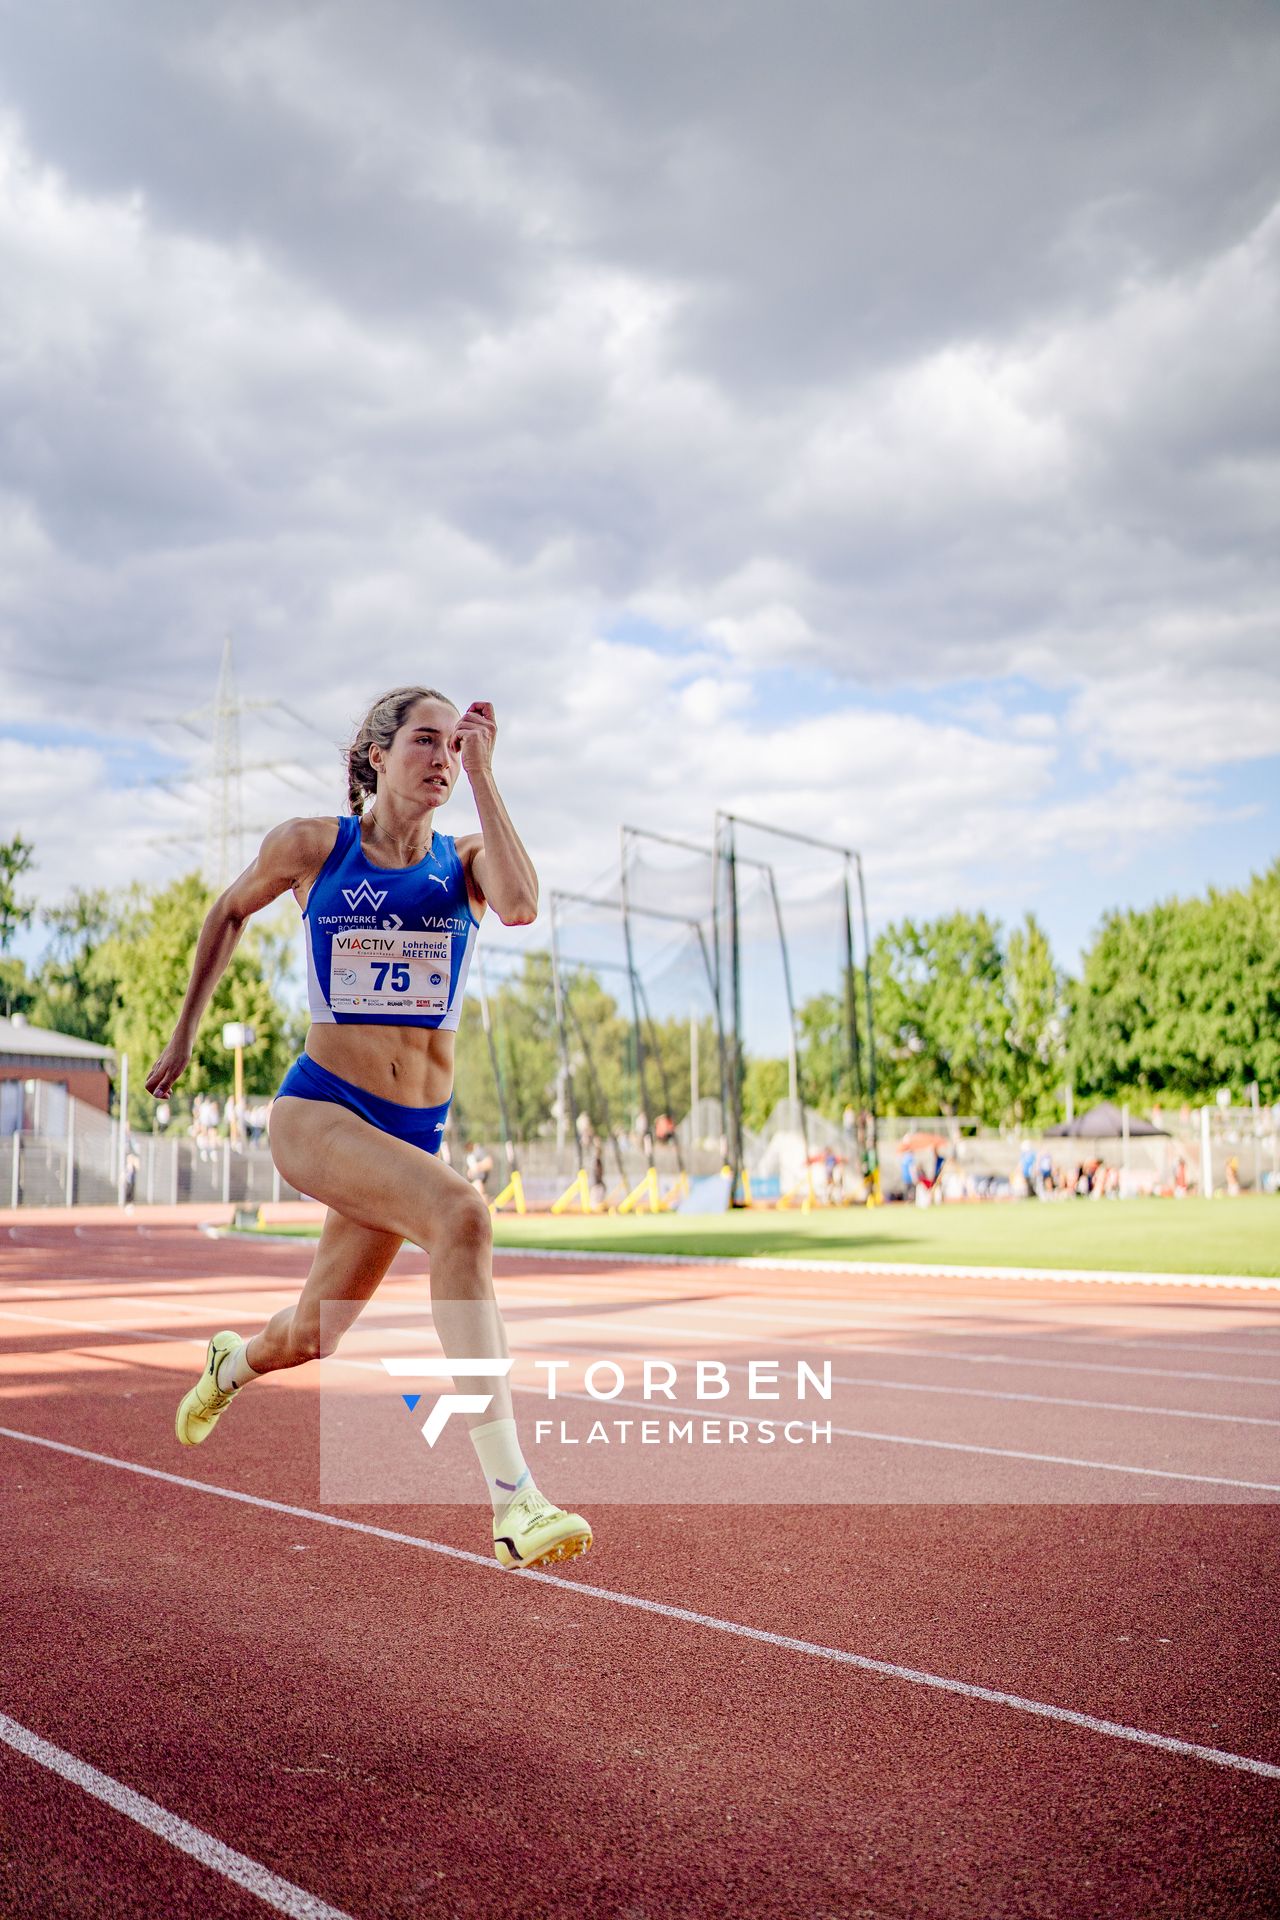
(297, 849)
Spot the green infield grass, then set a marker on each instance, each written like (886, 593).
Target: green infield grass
(1133, 1236)
(1153, 1236)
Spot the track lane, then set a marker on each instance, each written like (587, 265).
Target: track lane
(640, 1737)
(1155, 1617)
(64, 1853)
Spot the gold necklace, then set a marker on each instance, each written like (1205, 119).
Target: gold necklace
(419, 851)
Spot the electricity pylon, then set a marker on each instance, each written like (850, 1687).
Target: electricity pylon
(225, 824)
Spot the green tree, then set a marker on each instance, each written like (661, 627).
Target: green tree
(17, 989)
(764, 1083)
(16, 857)
(522, 1029)
(1037, 1030)
(1179, 999)
(70, 995)
(146, 961)
(826, 1070)
(941, 1017)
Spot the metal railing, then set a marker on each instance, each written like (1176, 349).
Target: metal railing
(69, 1154)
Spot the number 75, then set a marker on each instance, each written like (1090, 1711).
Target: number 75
(399, 977)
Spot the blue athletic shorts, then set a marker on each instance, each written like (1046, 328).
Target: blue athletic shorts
(419, 1126)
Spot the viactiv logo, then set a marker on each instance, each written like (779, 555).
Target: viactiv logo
(438, 1367)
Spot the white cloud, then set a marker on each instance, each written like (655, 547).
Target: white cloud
(408, 344)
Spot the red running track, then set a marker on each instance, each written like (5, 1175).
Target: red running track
(390, 1729)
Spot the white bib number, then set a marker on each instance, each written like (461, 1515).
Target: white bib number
(375, 972)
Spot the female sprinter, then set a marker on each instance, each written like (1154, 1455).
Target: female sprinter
(390, 906)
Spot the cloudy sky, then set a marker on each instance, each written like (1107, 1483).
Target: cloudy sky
(861, 417)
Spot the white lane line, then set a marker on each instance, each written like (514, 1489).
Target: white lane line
(620, 1322)
(972, 1306)
(973, 1393)
(527, 1346)
(941, 1326)
(1069, 1366)
(1044, 1399)
(761, 1263)
(923, 1323)
(1171, 1342)
(100, 1326)
(929, 1318)
(897, 1386)
(704, 1412)
(919, 1327)
(283, 1895)
(965, 1689)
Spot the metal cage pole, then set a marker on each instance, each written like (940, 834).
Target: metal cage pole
(872, 1146)
(679, 919)
(593, 1083)
(797, 1092)
(635, 1007)
(735, 987)
(668, 1102)
(565, 1066)
(848, 853)
(710, 961)
(851, 999)
(508, 1142)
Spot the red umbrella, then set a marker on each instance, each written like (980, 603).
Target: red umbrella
(924, 1143)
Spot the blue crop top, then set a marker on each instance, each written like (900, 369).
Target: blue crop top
(388, 946)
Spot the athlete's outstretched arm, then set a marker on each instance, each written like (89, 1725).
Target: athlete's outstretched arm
(500, 868)
(287, 853)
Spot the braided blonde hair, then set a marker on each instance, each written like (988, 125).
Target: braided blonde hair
(378, 729)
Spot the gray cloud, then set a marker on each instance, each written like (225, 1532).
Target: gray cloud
(900, 347)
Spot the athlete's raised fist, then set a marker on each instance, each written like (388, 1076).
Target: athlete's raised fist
(474, 736)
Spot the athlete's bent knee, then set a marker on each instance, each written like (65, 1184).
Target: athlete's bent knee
(463, 1221)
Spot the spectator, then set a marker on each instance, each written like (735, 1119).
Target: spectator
(1027, 1167)
(479, 1167)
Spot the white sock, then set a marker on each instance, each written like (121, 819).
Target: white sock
(505, 1472)
(234, 1370)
